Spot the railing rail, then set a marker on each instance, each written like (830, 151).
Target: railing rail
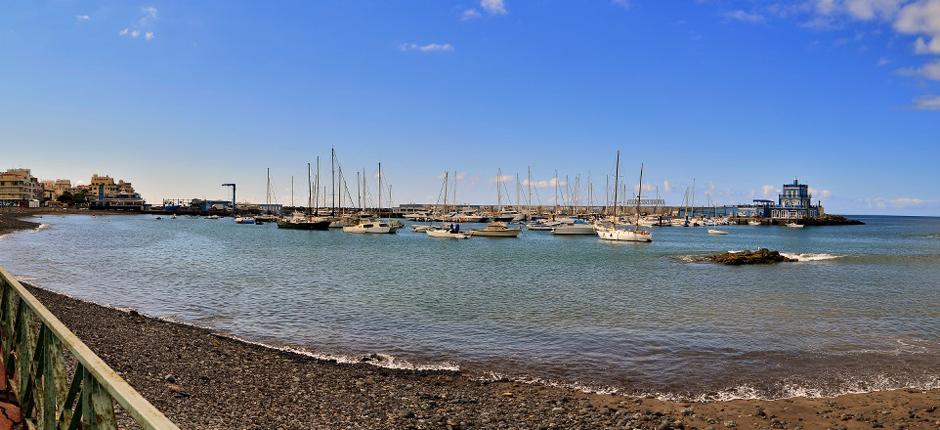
(32, 340)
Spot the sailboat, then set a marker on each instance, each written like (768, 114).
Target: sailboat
(267, 216)
(497, 228)
(609, 231)
(301, 221)
(373, 225)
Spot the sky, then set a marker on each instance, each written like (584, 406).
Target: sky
(740, 97)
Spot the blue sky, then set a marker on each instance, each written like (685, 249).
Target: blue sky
(742, 96)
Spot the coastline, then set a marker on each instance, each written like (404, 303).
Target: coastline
(206, 380)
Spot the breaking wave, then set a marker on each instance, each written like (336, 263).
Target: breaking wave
(810, 256)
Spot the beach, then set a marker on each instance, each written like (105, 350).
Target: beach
(204, 380)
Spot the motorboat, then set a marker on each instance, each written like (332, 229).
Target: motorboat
(213, 217)
(244, 220)
(543, 225)
(717, 232)
(794, 225)
(300, 221)
(575, 226)
(446, 233)
(754, 222)
(421, 228)
(496, 229)
(369, 227)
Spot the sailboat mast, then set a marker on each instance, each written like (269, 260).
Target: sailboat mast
(333, 181)
(380, 189)
(556, 191)
(267, 196)
(639, 192)
(309, 190)
(616, 177)
(292, 190)
(316, 211)
(455, 190)
(446, 183)
(499, 191)
(358, 192)
(529, 193)
(517, 191)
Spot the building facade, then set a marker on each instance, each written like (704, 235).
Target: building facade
(795, 203)
(104, 193)
(18, 187)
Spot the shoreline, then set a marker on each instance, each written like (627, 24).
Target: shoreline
(206, 380)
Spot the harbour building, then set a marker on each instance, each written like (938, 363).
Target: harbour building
(104, 193)
(18, 187)
(794, 203)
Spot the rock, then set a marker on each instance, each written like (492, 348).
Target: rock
(406, 414)
(761, 256)
(170, 379)
(730, 424)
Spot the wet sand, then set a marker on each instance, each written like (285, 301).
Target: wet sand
(203, 380)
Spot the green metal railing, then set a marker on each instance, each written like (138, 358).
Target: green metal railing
(33, 343)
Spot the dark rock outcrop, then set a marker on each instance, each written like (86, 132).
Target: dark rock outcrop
(761, 256)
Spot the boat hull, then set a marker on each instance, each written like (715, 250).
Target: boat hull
(624, 235)
(306, 225)
(444, 234)
(574, 230)
(502, 233)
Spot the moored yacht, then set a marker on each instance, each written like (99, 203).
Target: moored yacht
(574, 226)
(495, 229)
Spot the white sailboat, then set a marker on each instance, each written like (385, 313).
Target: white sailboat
(368, 226)
(608, 230)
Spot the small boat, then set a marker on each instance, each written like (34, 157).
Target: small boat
(173, 216)
(158, 218)
(574, 227)
(267, 218)
(794, 225)
(421, 228)
(369, 227)
(444, 233)
(244, 220)
(753, 222)
(300, 221)
(495, 229)
(543, 225)
(213, 217)
(717, 232)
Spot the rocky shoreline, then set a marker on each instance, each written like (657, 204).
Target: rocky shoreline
(9, 224)
(203, 380)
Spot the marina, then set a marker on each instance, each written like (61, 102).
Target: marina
(636, 318)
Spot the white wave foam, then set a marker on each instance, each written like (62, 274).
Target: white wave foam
(42, 226)
(810, 256)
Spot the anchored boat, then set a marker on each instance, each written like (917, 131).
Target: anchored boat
(608, 230)
(495, 229)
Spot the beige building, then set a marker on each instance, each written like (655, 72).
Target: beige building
(18, 187)
(104, 193)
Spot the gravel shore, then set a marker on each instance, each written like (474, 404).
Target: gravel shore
(9, 224)
(203, 380)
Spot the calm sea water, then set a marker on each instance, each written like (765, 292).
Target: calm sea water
(636, 318)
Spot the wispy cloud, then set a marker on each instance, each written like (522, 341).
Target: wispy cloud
(83, 17)
(667, 186)
(429, 48)
(623, 4)
(494, 7)
(927, 103)
(469, 15)
(143, 25)
(503, 178)
(744, 16)
(929, 71)
(907, 202)
(921, 46)
(768, 190)
(544, 183)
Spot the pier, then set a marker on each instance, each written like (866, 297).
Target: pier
(38, 353)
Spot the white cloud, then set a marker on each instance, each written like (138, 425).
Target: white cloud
(927, 103)
(494, 7)
(921, 46)
(83, 17)
(820, 194)
(768, 190)
(743, 16)
(142, 26)
(544, 183)
(503, 178)
(624, 4)
(469, 14)
(667, 186)
(929, 71)
(907, 202)
(883, 61)
(431, 47)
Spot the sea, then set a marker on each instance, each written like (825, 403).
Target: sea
(859, 312)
